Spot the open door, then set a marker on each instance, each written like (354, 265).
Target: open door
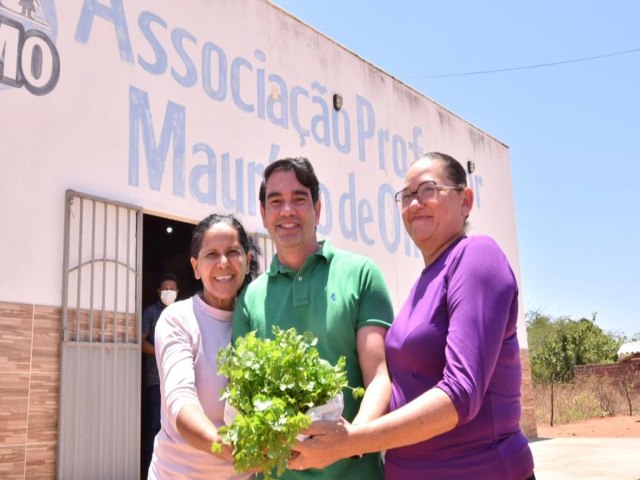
(99, 417)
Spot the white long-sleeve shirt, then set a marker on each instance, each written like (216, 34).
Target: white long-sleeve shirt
(187, 339)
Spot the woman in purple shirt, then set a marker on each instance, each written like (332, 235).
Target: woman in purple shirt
(452, 352)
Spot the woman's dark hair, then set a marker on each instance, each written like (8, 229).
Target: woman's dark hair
(452, 168)
(303, 170)
(245, 241)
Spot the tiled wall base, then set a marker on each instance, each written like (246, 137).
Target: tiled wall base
(29, 372)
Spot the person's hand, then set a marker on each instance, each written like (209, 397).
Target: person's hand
(327, 444)
(226, 453)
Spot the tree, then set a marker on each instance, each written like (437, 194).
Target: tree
(558, 344)
(628, 383)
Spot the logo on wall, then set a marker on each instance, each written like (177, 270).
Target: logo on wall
(28, 54)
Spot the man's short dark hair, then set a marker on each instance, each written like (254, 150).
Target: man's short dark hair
(303, 170)
(168, 276)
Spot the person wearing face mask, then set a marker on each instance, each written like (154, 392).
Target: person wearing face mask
(167, 294)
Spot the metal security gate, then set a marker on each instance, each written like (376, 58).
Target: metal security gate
(99, 413)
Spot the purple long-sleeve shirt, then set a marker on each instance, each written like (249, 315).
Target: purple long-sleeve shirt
(457, 332)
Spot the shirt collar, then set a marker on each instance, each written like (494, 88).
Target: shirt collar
(325, 251)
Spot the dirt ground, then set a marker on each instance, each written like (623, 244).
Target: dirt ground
(606, 427)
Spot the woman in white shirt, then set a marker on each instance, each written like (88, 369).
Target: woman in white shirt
(187, 338)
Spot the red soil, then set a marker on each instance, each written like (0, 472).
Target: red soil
(606, 427)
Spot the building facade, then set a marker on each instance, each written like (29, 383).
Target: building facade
(120, 120)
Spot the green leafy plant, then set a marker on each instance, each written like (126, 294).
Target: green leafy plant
(272, 383)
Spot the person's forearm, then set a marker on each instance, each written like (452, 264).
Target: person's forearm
(376, 399)
(196, 428)
(147, 347)
(429, 415)
(370, 347)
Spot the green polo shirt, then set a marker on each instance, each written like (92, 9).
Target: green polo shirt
(334, 294)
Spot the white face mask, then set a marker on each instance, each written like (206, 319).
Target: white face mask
(168, 296)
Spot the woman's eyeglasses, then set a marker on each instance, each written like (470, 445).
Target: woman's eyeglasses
(425, 191)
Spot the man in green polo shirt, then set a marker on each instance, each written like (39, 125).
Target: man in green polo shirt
(339, 296)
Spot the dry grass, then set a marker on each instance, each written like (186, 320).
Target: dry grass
(574, 402)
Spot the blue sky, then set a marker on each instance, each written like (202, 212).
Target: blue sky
(573, 129)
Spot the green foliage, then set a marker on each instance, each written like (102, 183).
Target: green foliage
(556, 345)
(272, 383)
